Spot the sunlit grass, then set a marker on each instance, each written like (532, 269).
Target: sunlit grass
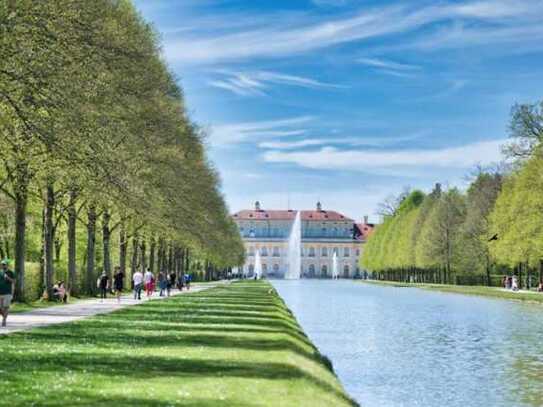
(236, 345)
(494, 292)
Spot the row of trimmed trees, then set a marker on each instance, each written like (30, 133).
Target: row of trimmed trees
(97, 149)
(494, 228)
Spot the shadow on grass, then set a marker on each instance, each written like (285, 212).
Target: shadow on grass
(130, 367)
(156, 339)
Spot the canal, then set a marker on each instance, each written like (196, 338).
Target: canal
(411, 347)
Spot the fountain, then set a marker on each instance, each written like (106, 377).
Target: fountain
(258, 266)
(295, 249)
(335, 273)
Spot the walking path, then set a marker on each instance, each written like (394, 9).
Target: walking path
(81, 309)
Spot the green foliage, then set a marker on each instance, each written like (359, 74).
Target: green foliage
(91, 120)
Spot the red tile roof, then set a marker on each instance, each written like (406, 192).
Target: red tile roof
(290, 215)
(364, 230)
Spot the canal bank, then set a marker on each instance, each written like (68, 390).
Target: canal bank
(236, 345)
(492, 292)
(396, 346)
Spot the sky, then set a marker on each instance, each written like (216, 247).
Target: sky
(349, 101)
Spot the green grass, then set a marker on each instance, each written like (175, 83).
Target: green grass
(235, 345)
(493, 292)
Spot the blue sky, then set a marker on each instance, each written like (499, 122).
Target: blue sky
(348, 101)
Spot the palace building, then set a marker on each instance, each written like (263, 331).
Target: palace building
(323, 233)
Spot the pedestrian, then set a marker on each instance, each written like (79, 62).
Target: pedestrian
(7, 285)
(118, 283)
(103, 285)
(137, 279)
(149, 281)
(180, 282)
(504, 282)
(187, 281)
(172, 279)
(514, 284)
(59, 291)
(162, 283)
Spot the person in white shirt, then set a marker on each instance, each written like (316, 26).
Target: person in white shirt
(137, 278)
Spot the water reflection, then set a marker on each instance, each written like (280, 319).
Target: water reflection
(409, 347)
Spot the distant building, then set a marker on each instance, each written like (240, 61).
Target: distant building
(323, 233)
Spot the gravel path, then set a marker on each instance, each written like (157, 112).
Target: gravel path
(81, 309)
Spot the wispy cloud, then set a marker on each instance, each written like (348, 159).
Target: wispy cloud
(254, 83)
(250, 131)
(343, 141)
(361, 160)
(280, 38)
(384, 64)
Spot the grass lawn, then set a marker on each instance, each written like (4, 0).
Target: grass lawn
(494, 292)
(234, 345)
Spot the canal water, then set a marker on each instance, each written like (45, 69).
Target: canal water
(410, 347)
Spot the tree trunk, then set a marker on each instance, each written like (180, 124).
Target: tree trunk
(143, 253)
(21, 200)
(152, 254)
(134, 261)
(48, 241)
(91, 249)
(123, 247)
(106, 243)
(72, 245)
(170, 258)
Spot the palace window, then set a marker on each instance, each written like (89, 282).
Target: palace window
(264, 252)
(311, 252)
(251, 251)
(264, 268)
(323, 231)
(346, 252)
(346, 270)
(311, 270)
(324, 270)
(276, 268)
(324, 252)
(276, 251)
(357, 252)
(252, 233)
(251, 268)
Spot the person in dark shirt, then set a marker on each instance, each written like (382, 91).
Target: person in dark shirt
(118, 283)
(103, 285)
(7, 284)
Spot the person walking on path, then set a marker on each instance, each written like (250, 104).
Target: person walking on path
(103, 285)
(149, 280)
(118, 283)
(162, 283)
(187, 281)
(7, 283)
(137, 279)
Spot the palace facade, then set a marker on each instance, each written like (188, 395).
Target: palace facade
(323, 233)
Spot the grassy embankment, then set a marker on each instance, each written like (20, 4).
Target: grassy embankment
(494, 292)
(236, 345)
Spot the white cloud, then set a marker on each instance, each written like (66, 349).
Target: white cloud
(381, 63)
(241, 132)
(280, 38)
(254, 83)
(485, 152)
